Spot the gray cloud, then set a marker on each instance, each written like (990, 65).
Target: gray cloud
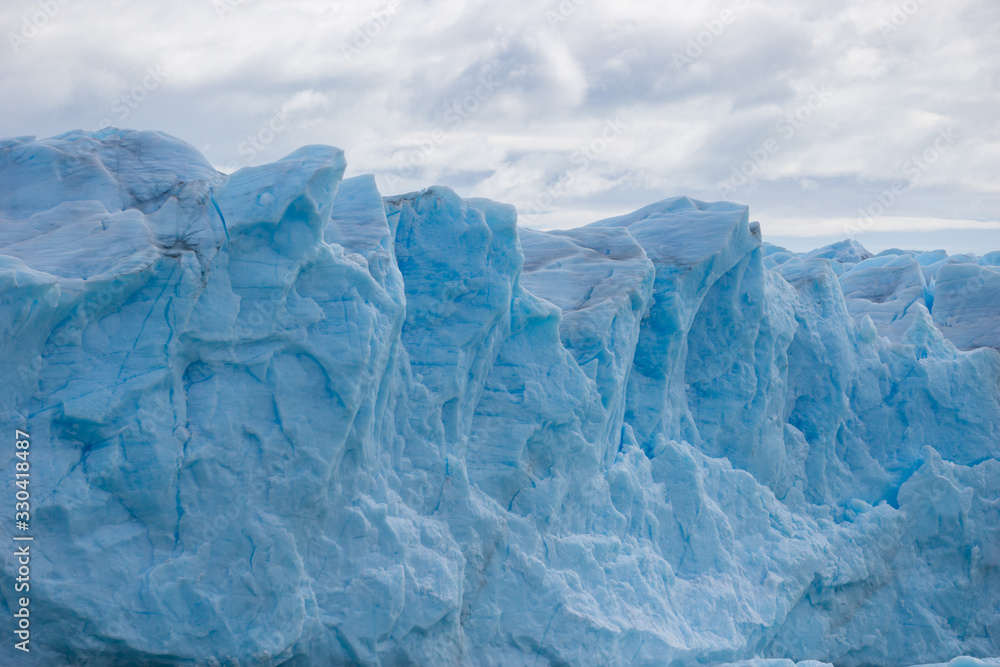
(512, 100)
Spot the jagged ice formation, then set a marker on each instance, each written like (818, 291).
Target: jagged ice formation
(280, 419)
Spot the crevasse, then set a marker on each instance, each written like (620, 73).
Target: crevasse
(281, 419)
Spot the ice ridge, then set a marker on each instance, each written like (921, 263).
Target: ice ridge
(280, 419)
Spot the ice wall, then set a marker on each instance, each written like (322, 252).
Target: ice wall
(280, 419)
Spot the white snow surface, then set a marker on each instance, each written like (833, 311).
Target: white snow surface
(278, 419)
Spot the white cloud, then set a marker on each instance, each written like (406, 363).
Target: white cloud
(557, 82)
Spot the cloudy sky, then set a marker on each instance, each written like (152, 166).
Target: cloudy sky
(878, 119)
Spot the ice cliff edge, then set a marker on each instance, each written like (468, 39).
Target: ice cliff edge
(277, 418)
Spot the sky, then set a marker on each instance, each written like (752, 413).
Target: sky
(878, 121)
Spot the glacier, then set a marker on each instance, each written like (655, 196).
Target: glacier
(278, 418)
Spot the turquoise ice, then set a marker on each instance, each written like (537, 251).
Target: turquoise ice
(279, 418)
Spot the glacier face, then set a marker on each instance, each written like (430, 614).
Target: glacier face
(280, 419)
